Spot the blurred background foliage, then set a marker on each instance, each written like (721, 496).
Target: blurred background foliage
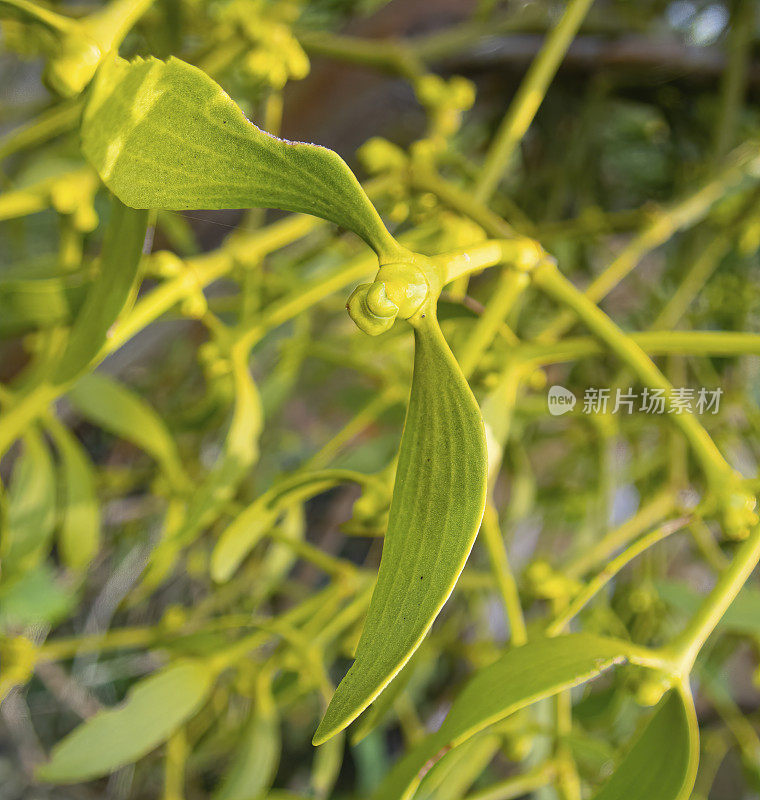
(630, 156)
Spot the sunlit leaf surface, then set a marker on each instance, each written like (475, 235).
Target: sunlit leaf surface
(165, 135)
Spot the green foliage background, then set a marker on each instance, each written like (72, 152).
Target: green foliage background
(198, 446)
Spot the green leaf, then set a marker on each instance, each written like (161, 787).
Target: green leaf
(438, 502)
(521, 677)
(454, 774)
(35, 597)
(328, 761)
(152, 711)
(26, 305)
(662, 764)
(165, 135)
(79, 535)
(254, 765)
(742, 616)
(110, 292)
(31, 506)
(117, 409)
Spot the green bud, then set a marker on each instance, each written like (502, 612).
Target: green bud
(165, 264)
(364, 317)
(399, 290)
(380, 155)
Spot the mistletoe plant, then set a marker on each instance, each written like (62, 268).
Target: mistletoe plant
(163, 137)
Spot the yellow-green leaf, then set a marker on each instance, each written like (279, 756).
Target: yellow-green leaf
(120, 411)
(109, 293)
(30, 515)
(662, 763)
(522, 676)
(165, 135)
(328, 761)
(454, 775)
(35, 597)
(79, 534)
(437, 506)
(152, 711)
(254, 765)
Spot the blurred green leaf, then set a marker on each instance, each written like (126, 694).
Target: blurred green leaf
(108, 294)
(254, 764)
(79, 535)
(255, 521)
(239, 454)
(165, 135)
(437, 506)
(328, 760)
(662, 763)
(37, 303)
(34, 598)
(30, 517)
(742, 616)
(120, 411)
(521, 677)
(154, 708)
(453, 775)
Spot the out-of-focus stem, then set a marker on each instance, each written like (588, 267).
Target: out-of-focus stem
(599, 581)
(547, 277)
(648, 515)
(529, 97)
(742, 165)
(505, 579)
(685, 648)
(509, 287)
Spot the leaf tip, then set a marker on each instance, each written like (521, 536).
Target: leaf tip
(335, 719)
(321, 736)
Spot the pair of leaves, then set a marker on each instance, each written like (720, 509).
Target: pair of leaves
(164, 135)
(543, 668)
(32, 504)
(153, 710)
